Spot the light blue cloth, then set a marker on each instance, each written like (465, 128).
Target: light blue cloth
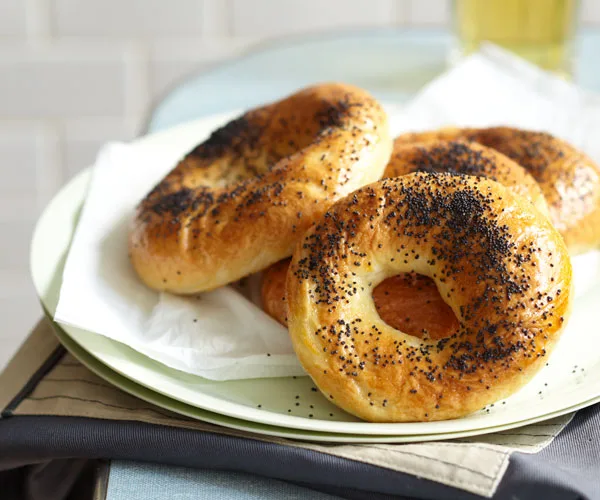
(142, 481)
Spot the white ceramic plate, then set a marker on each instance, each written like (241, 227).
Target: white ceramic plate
(571, 380)
(245, 425)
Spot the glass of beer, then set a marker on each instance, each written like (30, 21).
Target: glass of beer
(540, 31)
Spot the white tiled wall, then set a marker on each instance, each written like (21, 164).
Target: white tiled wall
(76, 73)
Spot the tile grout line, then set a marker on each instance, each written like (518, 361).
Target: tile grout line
(400, 12)
(216, 14)
(38, 18)
(230, 31)
(137, 84)
(50, 160)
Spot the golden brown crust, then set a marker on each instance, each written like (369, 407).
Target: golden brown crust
(409, 302)
(497, 262)
(569, 179)
(272, 291)
(239, 201)
(465, 158)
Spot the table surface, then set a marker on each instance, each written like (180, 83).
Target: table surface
(393, 65)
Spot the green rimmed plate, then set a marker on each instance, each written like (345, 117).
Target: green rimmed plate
(175, 406)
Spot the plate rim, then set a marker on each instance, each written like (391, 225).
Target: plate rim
(140, 391)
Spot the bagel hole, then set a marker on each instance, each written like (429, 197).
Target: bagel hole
(411, 303)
